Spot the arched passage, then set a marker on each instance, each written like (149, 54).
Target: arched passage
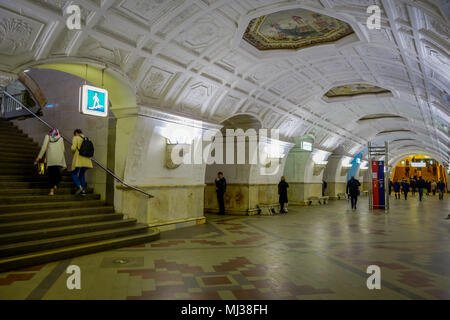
(304, 170)
(60, 91)
(250, 183)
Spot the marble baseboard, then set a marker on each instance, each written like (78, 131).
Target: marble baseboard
(170, 205)
(178, 224)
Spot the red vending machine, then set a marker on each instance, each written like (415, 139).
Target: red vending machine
(375, 184)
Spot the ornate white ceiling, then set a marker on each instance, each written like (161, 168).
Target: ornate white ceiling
(188, 57)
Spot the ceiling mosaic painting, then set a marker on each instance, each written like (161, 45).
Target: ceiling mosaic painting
(354, 90)
(294, 29)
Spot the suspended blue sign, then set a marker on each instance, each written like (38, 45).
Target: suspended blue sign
(93, 101)
(355, 165)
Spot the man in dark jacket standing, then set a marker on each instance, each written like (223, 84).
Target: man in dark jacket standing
(324, 187)
(405, 188)
(397, 189)
(353, 190)
(420, 186)
(221, 186)
(441, 188)
(282, 191)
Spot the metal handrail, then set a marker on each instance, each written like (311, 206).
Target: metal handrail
(69, 142)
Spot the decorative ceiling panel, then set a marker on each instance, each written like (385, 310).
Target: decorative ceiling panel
(294, 29)
(354, 90)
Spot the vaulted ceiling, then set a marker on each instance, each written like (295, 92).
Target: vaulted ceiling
(189, 57)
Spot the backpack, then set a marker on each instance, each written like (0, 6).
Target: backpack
(87, 148)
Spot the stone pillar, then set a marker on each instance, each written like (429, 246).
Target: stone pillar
(178, 190)
(336, 176)
(249, 186)
(302, 174)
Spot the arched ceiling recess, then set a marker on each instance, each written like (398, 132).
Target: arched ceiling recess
(406, 153)
(188, 56)
(381, 116)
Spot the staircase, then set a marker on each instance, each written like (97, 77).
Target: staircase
(36, 228)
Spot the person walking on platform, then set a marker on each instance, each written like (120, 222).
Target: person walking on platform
(433, 186)
(353, 191)
(324, 187)
(282, 192)
(420, 186)
(80, 164)
(405, 188)
(53, 148)
(397, 189)
(221, 186)
(413, 186)
(441, 188)
(428, 186)
(390, 186)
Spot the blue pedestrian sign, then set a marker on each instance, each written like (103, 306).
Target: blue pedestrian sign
(93, 101)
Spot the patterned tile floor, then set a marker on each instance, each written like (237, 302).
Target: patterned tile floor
(319, 252)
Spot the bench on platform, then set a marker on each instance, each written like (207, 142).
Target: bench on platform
(324, 200)
(341, 196)
(365, 192)
(269, 209)
(314, 201)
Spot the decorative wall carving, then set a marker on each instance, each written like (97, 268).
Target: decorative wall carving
(318, 168)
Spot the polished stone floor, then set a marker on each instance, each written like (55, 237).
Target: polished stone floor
(318, 252)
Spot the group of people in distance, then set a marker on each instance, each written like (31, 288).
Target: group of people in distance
(352, 190)
(221, 185)
(416, 185)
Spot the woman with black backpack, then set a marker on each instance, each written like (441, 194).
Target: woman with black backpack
(81, 160)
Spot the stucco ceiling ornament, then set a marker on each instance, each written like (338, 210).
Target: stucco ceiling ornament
(14, 34)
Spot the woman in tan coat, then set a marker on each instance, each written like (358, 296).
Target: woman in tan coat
(79, 163)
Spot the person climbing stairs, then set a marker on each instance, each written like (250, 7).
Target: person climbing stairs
(36, 228)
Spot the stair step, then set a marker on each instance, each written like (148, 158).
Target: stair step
(33, 177)
(8, 135)
(14, 249)
(43, 191)
(19, 148)
(8, 200)
(17, 142)
(18, 154)
(15, 138)
(10, 160)
(16, 171)
(27, 207)
(16, 165)
(58, 231)
(37, 258)
(39, 223)
(10, 130)
(53, 214)
(36, 184)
